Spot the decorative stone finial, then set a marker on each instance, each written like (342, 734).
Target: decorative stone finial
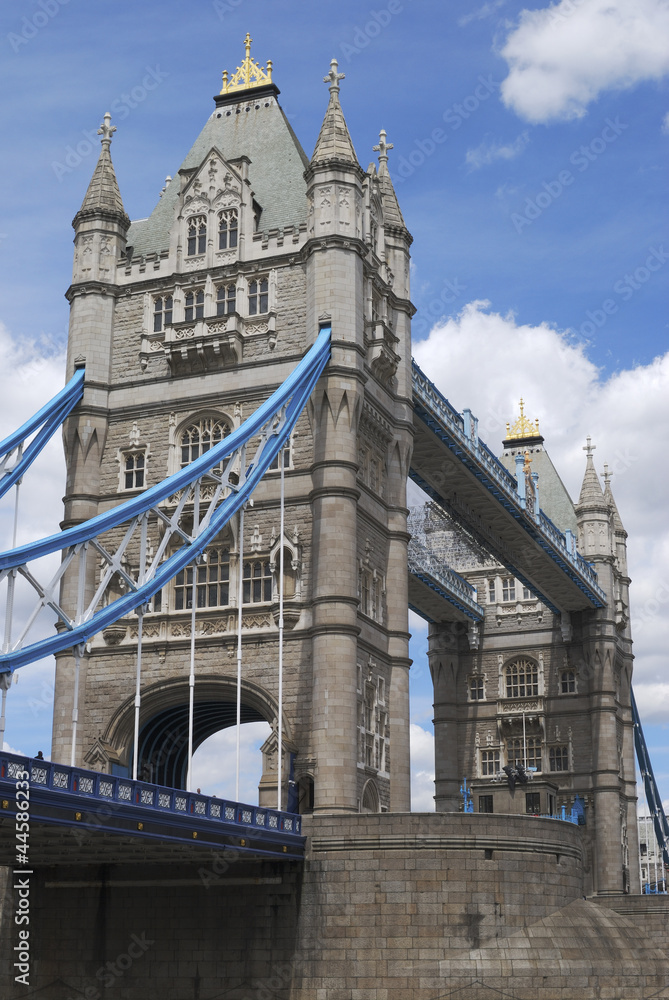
(106, 130)
(249, 74)
(383, 147)
(589, 447)
(334, 77)
(606, 474)
(523, 428)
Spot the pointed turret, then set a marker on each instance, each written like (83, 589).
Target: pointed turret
(392, 215)
(615, 515)
(101, 224)
(103, 198)
(591, 488)
(593, 513)
(334, 141)
(619, 534)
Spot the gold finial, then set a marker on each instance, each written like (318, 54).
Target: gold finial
(249, 74)
(523, 427)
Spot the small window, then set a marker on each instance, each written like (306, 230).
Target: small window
(558, 758)
(491, 591)
(227, 229)
(533, 803)
(162, 313)
(485, 803)
(257, 583)
(568, 682)
(258, 297)
(508, 588)
(274, 466)
(194, 306)
(527, 594)
(134, 465)
(226, 298)
(522, 679)
(489, 762)
(476, 692)
(197, 235)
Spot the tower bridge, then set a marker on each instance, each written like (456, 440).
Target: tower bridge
(241, 419)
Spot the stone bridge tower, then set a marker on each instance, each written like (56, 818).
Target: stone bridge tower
(185, 322)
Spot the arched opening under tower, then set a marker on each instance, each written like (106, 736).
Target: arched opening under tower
(163, 739)
(164, 732)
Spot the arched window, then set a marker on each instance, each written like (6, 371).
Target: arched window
(197, 235)
(527, 751)
(212, 582)
(194, 306)
(227, 229)
(522, 679)
(370, 798)
(199, 437)
(226, 298)
(305, 795)
(258, 296)
(162, 313)
(257, 583)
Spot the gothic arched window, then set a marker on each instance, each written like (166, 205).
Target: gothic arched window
(521, 679)
(257, 582)
(194, 306)
(226, 298)
(162, 313)
(258, 296)
(200, 436)
(197, 235)
(227, 229)
(212, 581)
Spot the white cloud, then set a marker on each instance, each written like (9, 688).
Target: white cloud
(488, 152)
(561, 58)
(627, 416)
(422, 769)
(214, 762)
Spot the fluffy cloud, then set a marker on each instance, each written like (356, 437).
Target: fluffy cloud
(627, 416)
(214, 762)
(562, 57)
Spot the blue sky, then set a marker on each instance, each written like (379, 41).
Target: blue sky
(527, 161)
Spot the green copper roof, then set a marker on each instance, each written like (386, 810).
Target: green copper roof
(259, 130)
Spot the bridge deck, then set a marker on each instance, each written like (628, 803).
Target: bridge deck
(76, 815)
(461, 474)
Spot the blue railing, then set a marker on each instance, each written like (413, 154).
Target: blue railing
(93, 787)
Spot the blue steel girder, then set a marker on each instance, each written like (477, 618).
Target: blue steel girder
(272, 423)
(46, 422)
(653, 797)
(560, 578)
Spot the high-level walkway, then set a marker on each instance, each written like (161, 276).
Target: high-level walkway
(462, 475)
